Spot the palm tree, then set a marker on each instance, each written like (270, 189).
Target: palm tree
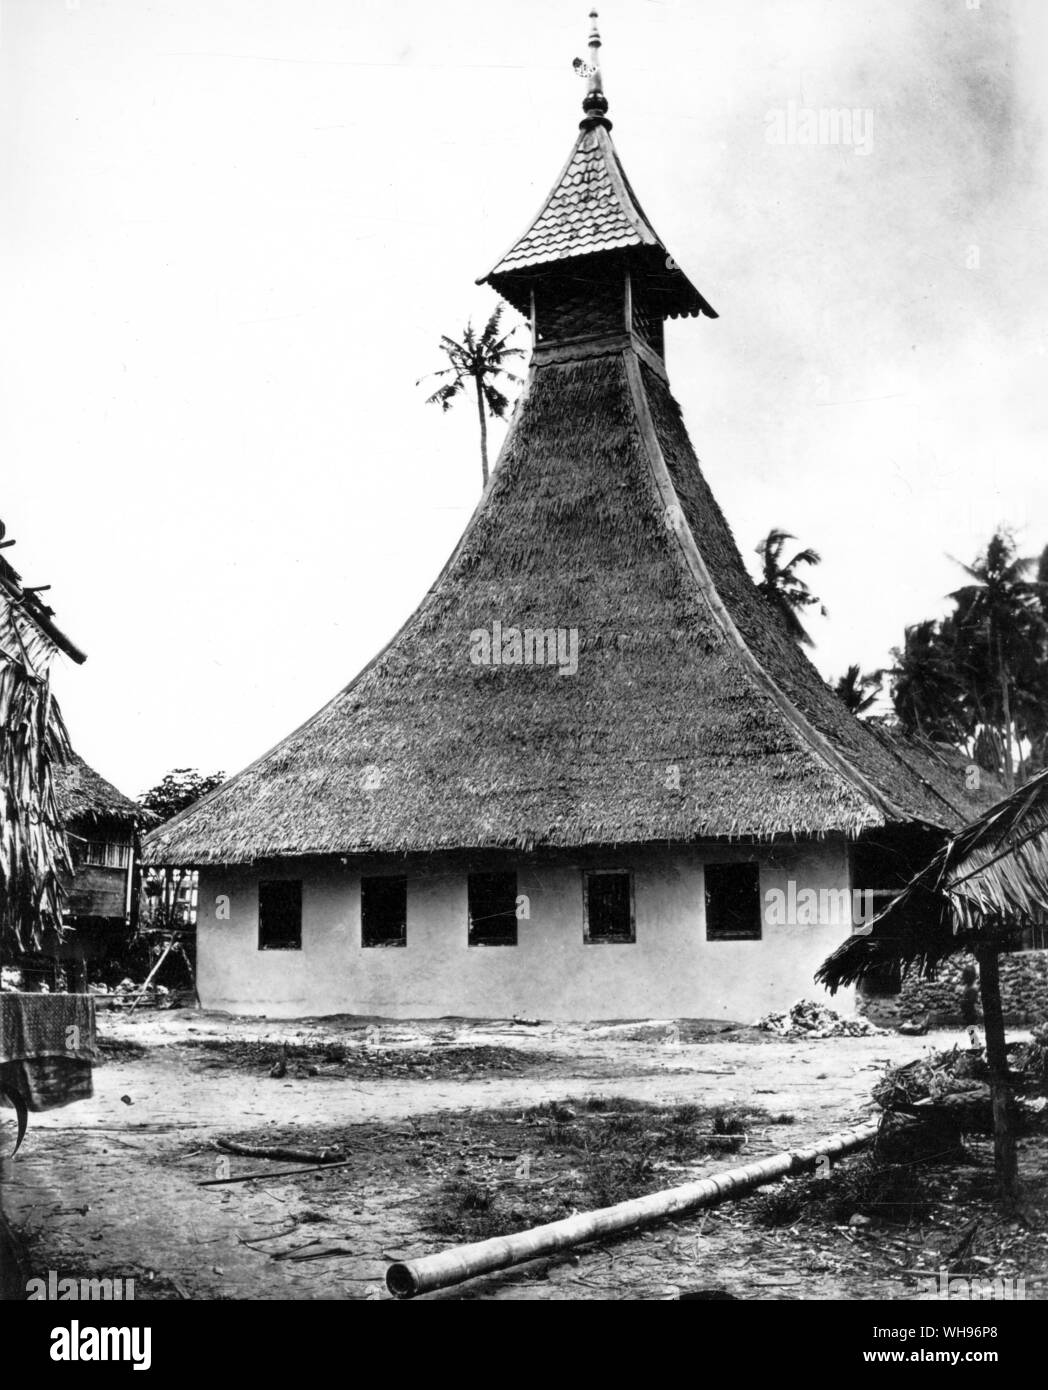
(479, 360)
(859, 691)
(781, 584)
(928, 691)
(1000, 621)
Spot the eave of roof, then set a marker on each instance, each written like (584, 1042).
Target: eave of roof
(84, 794)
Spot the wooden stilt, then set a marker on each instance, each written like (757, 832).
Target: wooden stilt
(1004, 1153)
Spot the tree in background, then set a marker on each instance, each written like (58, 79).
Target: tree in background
(782, 586)
(978, 678)
(482, 362)
(857, 690)
(927, 691)
(1001, 637)
(177, 790)
(168, 898)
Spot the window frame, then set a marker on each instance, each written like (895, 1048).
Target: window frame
(471, 940)
(587, 935)
(106, 854)
(283, 883)
(750, 865)
(391, 943)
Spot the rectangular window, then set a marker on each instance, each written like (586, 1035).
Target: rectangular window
(609, 906)
(106, 856)
(280, 914)
(733, 902)
(383, 912)
(493, 909)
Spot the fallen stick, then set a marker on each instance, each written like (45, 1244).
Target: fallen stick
(290, 1155)
(408, 1278)
(279, 1173)
(315, 1250)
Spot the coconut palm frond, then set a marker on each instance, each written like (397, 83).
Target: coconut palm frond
(445, 395)
(987, 883)
(781, 584)
(497, 403)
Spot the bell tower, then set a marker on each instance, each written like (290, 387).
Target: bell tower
(591, 271)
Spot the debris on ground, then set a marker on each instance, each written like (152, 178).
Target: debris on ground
(810, 1019)
(283, 1152)
(127, 992)
(519, 1169)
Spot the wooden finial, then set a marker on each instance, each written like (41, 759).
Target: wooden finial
(595, 103)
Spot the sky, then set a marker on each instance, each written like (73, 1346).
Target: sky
(233, 231)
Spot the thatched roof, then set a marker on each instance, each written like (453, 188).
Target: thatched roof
(596, 519)
(691, 715)
(988, 882)
(83, 795)
(969, 788)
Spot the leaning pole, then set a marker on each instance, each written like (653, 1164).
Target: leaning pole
(408, 1278)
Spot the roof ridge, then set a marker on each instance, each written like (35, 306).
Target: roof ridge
(693, 558)
(624, 189)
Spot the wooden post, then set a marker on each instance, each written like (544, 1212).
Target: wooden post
(997, 1059)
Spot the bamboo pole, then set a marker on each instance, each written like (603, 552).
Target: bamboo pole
(407, 1278)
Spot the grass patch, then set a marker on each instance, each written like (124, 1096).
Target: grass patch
(893, 1182)
(576, 1156)
(335, 1059)
(119, 1049)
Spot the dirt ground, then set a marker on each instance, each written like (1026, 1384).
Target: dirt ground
(111, 1187)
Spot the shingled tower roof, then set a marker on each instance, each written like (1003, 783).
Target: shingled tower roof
(592, 210)
(594, 665)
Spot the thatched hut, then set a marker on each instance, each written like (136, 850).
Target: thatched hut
(979, 893)
(984, 888)
(592, 775)
(101, 826)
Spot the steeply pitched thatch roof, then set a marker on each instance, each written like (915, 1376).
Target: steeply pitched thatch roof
(989, 881)
(592, 209)
(691, 715)
(83, 795)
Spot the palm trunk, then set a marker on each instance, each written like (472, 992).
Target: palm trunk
(1006, 714)
(1004, 1156)
(483, 429)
